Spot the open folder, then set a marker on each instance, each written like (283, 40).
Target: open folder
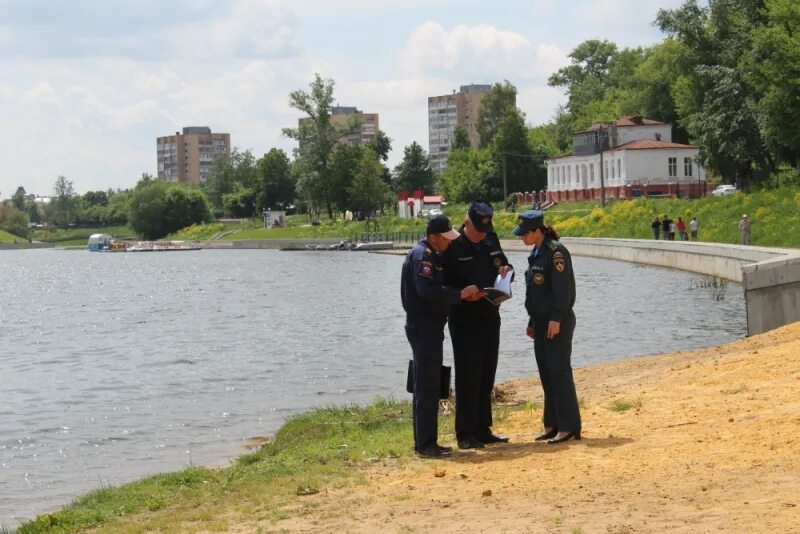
(501, 290)
(444, 380)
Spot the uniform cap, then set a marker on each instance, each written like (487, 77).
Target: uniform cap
(528, 221)
(440, 224)
(480, 213)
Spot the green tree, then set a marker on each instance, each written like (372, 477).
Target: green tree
(414, 171)
(227, 172)
(343, 169)
(13, 221)
(274, 184)
(317, 137)
(501, 99)
(64, 193)
(469, 175)
(460, 139)
(512, 156)
(368, 191)
(158, 208)
(775, 74)
(381, 144)
(18, 200)
(241, 202)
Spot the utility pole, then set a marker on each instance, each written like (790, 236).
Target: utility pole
(505, 186)
(602, 182)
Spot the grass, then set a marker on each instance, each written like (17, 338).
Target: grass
(79, 236)
(323, 448)
(623, 405)
(5, 237)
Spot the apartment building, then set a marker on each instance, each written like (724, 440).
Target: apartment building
(189, 157)
(448, 111)
(370, 124)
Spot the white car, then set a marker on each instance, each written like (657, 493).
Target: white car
(434, 212)
(724, 190)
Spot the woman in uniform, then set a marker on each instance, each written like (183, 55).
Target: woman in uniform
(549, 299)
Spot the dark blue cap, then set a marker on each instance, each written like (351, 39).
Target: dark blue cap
(528, 221)
(440, 224)
(480, 213)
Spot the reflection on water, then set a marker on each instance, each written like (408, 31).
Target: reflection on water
(114, 366)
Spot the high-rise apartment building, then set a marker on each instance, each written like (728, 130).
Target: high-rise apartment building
(189, 157)
(448, 111)
(369, 124)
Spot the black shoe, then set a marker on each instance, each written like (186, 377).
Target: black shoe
(492, 438)
(568, 436)
(444, 449)
(470, 443)
(434, 451)
(546, 435)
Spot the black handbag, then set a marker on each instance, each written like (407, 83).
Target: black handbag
(444, 380)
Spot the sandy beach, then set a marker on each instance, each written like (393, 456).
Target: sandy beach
(709, 443)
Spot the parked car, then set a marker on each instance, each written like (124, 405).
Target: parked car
(724, 190)
(435, 211)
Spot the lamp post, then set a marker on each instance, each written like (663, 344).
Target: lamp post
(602, 168)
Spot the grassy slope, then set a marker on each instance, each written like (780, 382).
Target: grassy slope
(324, 447)
(5, 237)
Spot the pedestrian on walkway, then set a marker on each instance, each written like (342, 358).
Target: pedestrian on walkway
(744, 229)
(693, 227)
(656, 227)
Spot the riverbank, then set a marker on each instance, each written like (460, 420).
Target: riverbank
(688, 442)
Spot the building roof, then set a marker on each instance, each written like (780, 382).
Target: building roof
(623, 122)
(432, 199)
(650, 144)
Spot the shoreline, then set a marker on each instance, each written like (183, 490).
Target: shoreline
(694, 433)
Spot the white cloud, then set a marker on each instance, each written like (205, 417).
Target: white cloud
(479, 50)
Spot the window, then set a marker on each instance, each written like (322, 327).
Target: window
(673, 167)
(591, 172)
(605, 172)
(612, 169)
(687, 166)
(619, 169)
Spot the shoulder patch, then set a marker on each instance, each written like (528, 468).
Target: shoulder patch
(428, 251)
(558, 261)
(426, 269)
(552, 246)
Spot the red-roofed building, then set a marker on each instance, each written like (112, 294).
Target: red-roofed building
(634, 155)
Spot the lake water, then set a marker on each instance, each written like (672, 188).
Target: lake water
(116, 366)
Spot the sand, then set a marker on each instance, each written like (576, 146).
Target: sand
(711, 445)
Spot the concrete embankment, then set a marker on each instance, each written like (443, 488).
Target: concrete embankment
(770, 276)
(21, 246)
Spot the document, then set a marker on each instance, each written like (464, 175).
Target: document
(501, 290)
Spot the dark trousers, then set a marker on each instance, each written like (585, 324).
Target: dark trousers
(476, 341)
(426, 336)
(656, 231)
(553, 357)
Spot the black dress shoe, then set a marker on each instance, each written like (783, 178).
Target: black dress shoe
(492, 438)
(444, 449)
(546, 435)
(434, 451)
(470, 443)
(568, 436)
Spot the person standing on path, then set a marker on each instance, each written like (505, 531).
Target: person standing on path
(475, 258)
(549, 300)
(426, 301)
(744, 229)
(694, 226)
(656, 227)
(681, 229)
(665, 225)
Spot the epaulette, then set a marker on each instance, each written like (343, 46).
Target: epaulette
(428, 250)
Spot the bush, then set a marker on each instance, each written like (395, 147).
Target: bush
(158, 208)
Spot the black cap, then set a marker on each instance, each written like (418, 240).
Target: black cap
(440, 224)
(528, 221)
(480, 213)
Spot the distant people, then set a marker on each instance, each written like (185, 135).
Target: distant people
(665, 224)
(744, 229)
(672, 228)
(693, 227)
(656, 227)
(681, 229)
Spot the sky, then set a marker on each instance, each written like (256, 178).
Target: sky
(86, 86)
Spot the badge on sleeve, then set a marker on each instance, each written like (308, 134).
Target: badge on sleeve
(538, 279)
(426, 269)
(558, 261)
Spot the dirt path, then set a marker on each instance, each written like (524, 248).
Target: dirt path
(711, 445)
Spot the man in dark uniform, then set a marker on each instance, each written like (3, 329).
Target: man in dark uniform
(427, 300)
(549, 299)
(475, 258)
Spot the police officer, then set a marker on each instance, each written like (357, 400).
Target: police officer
(549, 299)
(427, 302)
(475, 258)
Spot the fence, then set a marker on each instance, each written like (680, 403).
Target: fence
(395, 237)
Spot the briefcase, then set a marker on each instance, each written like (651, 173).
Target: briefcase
(444, 382)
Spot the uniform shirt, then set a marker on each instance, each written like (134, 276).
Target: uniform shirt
(422, 288)
(549, 283)
(467, 263)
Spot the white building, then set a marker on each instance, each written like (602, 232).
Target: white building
(633, 156)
